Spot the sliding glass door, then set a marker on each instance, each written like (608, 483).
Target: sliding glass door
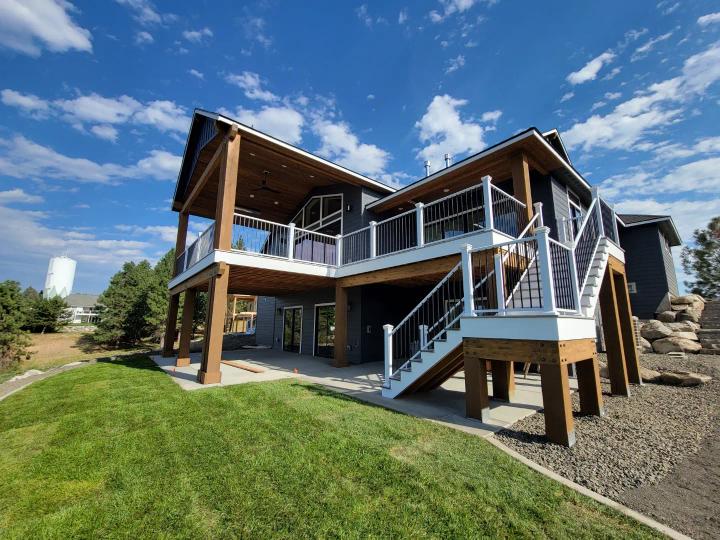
(325, 331)
(292, 329)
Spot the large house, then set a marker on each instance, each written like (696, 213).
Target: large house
(497, 259)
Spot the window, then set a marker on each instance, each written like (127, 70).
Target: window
(322, 213)
(632, 287)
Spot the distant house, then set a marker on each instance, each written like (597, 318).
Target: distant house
(647, 241)
(83, 308)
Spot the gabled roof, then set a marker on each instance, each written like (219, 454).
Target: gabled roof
(81, 300)
(553, 137)
(665, 223)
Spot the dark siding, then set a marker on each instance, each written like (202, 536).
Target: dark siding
(355, 196)
(553, 196)
(647, 267)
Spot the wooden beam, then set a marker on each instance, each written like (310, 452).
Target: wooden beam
(207, 173)
(170, 326)
(181, 239)
(503, 380)
(441, 265)
(212, 346)
(200, 278)
(227, 188)
(588, 376)
(530, 350)
(521, 182)
(559, 426)
(186, 327)
(341, 324)
(632, 361)
(613, 336)
(477, 402)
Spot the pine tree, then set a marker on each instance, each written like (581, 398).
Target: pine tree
(47, 314)
(13, 340)
(703, 260)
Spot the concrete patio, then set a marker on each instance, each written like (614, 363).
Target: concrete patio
(445, 405)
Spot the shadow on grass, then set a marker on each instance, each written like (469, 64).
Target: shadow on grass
(132, 360)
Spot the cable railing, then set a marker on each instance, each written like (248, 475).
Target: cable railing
(454, 215)
(509, 214)
(356, 246)
(315, 247)
(397, 233)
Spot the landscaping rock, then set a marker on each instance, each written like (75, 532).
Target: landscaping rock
(683, 326)
(689, 315)
(681, 307)
(653, 330)
(645, 345)
(686, 335)
(667, 316)
(684, 378)
(650, 375)
(604, 374)
(687, 299)
(675, 344)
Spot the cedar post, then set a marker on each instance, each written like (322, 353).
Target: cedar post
(212, 347)
(341, 316)
(588, 376)
(632, 362)
(559, 426)
(521, 182)
(613, 336)
(503, 380)
(477, 402)
(186, 326)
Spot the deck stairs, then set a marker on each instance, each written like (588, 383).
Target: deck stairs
(591, 290)
(709, 334)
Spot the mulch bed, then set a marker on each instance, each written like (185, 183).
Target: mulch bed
(657, 452)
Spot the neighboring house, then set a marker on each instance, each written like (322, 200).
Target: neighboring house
(501, 257)
(647, 241)
(82, 308)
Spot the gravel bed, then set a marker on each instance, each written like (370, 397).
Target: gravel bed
(639, 441)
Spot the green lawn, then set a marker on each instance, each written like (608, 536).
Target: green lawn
(117, 449)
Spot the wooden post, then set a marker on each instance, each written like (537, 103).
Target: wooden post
(503, 380)
(632, 361)
(227, 187)
(477, 402)
(181, 239)
(170, 326)
(341, 316)
(588, 376)
(559, 426)
(521, 182)
(613, 336)
(183, 358)
(217, 306)
(487, 202)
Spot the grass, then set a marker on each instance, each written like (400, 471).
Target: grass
(52, 350)
(119, 450)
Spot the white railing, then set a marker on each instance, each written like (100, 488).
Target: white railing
(255, 235)
(395, 234)
(454, 215)
(356, 246)
(315, 247)
(509, 214)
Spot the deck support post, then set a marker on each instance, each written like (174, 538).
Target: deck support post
(503, 380)
(170, 326)
(559, 425)
(186, 327)
(477, 401)
(212, 346)
(613, 336)
(588, 377)
(227, 188)
(487, 202)
(341, 324)
(632, 360)
(521, 183)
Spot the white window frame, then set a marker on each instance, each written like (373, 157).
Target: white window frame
(324, 220)
(314, 334)
(302, 314)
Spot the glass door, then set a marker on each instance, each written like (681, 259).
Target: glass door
(325, 331)
(292, 329)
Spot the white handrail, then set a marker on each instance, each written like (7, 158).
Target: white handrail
(236, 214)
(411, 211)
(527, 228)
(584, 223)
(492, 186)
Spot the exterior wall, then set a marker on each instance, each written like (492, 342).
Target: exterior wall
(669, 264)
(355, 196)
(648, 267)
(265, 321)
(553, 196)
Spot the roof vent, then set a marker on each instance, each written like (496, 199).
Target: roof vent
(427, 168)
(448, 160)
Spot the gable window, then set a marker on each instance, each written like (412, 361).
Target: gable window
(322, 213)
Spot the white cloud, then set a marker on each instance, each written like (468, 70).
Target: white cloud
(403, 16)
(197, 36)
(658, 106)
(143, 38)
(710, 18)
(165, 233)
(198, 74)
(614, 72)
(644, 50)
(28, 26)
(28, 103)
(442, 130)
(491, 116)
(612, 95)
(597, 105)
(96, 108)
(282, 122)
(251, 84)
(590, 70)
(164, 115)
(364, 16)
(666, 7)
(450, 7)
(370, 97)
(254, 29)
(340, 144)
(17, 195)
(146, 13)
(566, 96)
(688, 215)
(22, 158)
(455, 63)
(105, 131)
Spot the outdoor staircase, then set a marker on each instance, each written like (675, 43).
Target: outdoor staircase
(591, 290)
(709, 333)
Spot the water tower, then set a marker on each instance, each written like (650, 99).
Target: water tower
(60, 277)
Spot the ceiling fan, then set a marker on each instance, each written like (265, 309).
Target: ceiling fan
(264, 186)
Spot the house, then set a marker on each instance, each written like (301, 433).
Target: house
(497, 259)
(82, 308)
(647, 241)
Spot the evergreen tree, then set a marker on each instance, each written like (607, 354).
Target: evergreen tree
(703, 260)
(13, 341)
(47, 314)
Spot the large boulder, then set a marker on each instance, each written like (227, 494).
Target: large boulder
(649, 375)
(692, 336)
(683, 378)
(675, 344)
(653, 330)
(683, 326)
(689, 315)
(687, 299)
(645, 345)
(667, 316)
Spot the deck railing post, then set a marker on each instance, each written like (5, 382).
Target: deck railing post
(598, 210)
(545, 268)
(615, 227)
(562, 231)
(373, 239)
(387, 334)
(467, 280)
(338, 249)
(420, 223)
(499, 283)
(574, 280)
(291, 241)
(487, 202)
(423, 333)
(538, 206)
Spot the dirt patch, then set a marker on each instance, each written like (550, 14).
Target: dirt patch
(51, 347)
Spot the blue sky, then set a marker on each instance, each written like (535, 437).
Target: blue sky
(96, 99)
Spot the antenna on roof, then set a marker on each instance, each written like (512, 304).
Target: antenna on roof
(427, 168)
(448, 160)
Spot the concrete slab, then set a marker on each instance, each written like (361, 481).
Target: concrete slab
(445, 405)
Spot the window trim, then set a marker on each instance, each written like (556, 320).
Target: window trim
(324, 220)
